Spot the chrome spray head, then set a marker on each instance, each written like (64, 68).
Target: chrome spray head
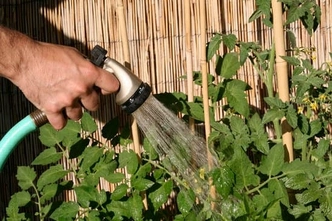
(132, 92)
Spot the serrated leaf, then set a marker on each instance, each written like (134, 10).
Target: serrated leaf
(119, 192)
(141, 184)
(229, 40)
(291, 117)
(48, 156)
(213, 46)
(279, 191)
(310, 195)
(297, 166)
(19, 199)
(51, 175)
(49, 136)
(65, 211)
(272, 114)
(237, 99)
(185, 201)
(115, 177)
(136, 206)
(315, 127)
(49, 192)
(25, 176)
(230, 65)
(243, 170)
(298, 182)
(160, 195)
(129, 160)
(223, 180)
(120, 209)
(86, 195)
(272, 164)
(91, 156)
(291, 60)
(275, 102)
(322, 148)
(87, 123)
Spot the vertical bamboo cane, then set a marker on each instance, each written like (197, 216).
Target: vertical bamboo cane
(189, 58)
(203, 64)
(125, 46)
(282, 73)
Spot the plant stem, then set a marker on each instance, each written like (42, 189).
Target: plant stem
(257, 188)
(175, 178)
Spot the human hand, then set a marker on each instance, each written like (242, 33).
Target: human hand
(58, 80)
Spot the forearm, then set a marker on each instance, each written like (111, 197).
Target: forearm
(13, 49)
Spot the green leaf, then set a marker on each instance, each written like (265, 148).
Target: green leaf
(25, 176)
(297, 166)
(315, 127)
(49, 136)
(136, 206)
(185, 201)
(148, 147)
(213, 46)
(292, 60)
(298, 182)
(310, 195)
(49, 192)
(85, 195)
(19, 199)
(229, 40)
(160, 196)
(53, 174)
(279, 191)
(243, 169)
(119, 192)
(272, 164)
(237, 98)
(91, 156)
(230, 65)
(128, 159)
(141, 184)
(275, 102)
(272, 114)
(322, 148)
(223, 180)
(115, 177)
(88, 124)
(48, 156)
(291, 116)
(120, 209)
(258, 134)
(66, 211)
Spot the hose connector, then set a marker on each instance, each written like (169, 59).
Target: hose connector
(132, 92)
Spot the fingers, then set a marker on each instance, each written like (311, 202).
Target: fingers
(75, 111)
(107, 82)
(56, 119)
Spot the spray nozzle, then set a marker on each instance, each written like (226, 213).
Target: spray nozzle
(133, 92)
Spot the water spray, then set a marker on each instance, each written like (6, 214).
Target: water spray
(131, 95)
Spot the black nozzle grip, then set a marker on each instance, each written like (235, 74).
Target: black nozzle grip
(98, 55)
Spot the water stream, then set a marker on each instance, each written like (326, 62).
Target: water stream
(171, 137)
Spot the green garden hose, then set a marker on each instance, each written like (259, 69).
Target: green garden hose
(15, 135)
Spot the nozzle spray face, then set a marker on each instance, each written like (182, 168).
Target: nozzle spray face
(133, 92)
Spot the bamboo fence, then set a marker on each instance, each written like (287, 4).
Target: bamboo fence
(164, 40)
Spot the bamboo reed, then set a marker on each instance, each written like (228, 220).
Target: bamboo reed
(282, 73)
